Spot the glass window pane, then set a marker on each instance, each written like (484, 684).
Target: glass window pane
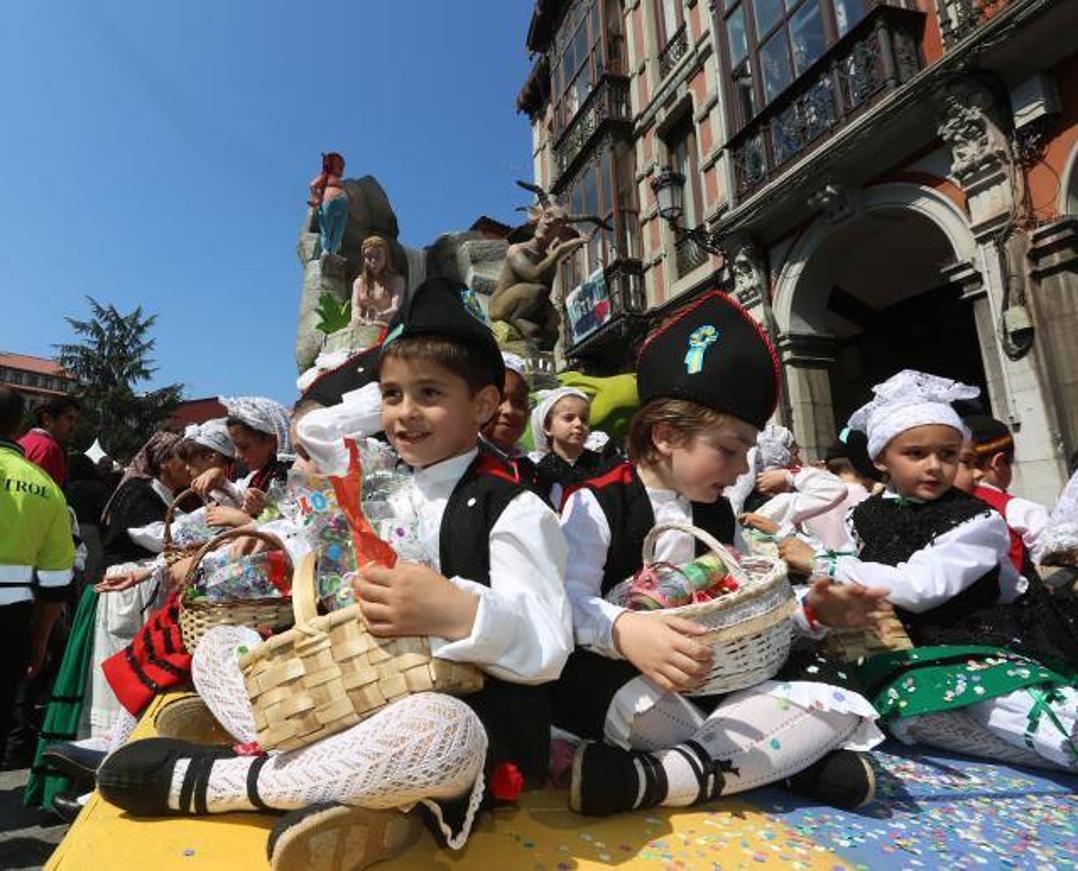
(745, 96)
(806, 35)
(580, 44)
(848, 13)
(768, 13)
(775, 66)
(670, 22)
(737, 37)
(591, 192)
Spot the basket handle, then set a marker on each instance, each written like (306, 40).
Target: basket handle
(241, 532)
(170, 513)
(729, 561)
(304, 595)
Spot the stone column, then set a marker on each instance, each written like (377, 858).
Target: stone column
(982, 164)
(806, 361)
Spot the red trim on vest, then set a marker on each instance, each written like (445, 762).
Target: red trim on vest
(999, 501)
(507, 470)
(622, 473)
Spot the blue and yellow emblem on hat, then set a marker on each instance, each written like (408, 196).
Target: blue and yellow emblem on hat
(700, 340)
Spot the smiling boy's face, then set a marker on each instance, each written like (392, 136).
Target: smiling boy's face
(429, 413)
(923, 461)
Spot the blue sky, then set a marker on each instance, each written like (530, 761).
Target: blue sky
(159, 153)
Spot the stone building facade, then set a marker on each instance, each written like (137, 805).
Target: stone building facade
(891, 184)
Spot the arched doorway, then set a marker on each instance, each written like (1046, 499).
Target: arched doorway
(857, 302)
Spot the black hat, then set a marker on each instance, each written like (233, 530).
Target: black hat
(437, 308)
(990, 436)
(357, 371)
(712, 352)
(838, 450)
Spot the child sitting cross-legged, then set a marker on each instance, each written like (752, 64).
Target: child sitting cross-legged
(992, 672)
(491, 595)
(708, 381)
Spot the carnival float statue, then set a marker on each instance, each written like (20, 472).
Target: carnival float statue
(379, 289)
(521, 297)
(329, 197)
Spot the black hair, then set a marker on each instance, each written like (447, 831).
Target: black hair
(81, 468)
(54, 408)
(12, 406)
(235, 421)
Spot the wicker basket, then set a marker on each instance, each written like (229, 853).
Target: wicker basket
(853, 645)
(329, 672)
(197, 618)
(188, 719)
(174, 552)
(750, 629)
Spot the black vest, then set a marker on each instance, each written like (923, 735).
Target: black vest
(517, 717)
(891, 531)
(624, 500)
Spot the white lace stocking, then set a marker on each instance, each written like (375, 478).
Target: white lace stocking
(122, 726)
(216, 674)
(760, 740)
(426, 746)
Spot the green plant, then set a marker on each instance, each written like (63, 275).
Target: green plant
(333, 314)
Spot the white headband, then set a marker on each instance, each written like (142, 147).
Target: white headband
(212, 434)
(514, 362)
(547, 400)
(910, 399)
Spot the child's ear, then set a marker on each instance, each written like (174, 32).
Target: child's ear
(487, 401)
(664, 439)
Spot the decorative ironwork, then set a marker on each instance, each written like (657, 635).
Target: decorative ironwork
(625, 278)
(689, 255)
(879, 54)
(673, 51)
(959, 18)
(607, 103)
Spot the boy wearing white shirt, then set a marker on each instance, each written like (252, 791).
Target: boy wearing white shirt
(492, 595)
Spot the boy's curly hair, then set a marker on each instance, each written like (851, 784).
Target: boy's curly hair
(685, 418)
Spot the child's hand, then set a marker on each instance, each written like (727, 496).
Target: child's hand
(847, 605)
(772, 481)
(758, 521)
(797, 555)
(254, 500)
(664, 649)
(413, 599)
(207, 481)
(122, 582)
(222, 515)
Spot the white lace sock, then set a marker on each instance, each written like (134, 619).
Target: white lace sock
(426, 746)
(122, 727)
(749, 740)
(670, 721)
(218, 680)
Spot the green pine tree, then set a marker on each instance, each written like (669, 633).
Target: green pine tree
(109, 360)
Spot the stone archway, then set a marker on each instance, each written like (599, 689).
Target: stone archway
(849, 300)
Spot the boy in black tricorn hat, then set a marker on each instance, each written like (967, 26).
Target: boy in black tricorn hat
(708, 382)
(492, 595)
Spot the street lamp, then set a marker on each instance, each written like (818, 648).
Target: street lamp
(669, 188)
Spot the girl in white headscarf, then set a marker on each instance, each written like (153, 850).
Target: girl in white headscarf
(992, 673)
(561, 424)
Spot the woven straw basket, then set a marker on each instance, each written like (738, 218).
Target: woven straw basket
(196, 619)
(328, 673)
(750, 629)
(173, 552)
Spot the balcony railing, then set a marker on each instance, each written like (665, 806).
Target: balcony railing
(878, 55)
(625, 289)
(673, 51)
(607, 104)
(689, 255)
(959, 18)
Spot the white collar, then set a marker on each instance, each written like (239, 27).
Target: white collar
(988, 486)
(656, 494)
(446, 472)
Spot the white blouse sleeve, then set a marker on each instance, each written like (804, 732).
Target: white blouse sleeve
(587, 535)
(814, 492)
(943, 569)
(523, 629)
(1028, 519)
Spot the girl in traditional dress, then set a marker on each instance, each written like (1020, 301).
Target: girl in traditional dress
(993, 670)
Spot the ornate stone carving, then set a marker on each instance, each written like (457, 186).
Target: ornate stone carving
(981, 160)
(747, 271)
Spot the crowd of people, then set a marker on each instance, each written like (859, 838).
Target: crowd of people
(516, 554)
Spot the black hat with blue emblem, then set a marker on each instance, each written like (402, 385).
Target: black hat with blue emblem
(439, 307)
(714, 353)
